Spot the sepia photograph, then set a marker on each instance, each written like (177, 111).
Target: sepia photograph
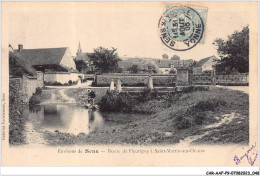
(130, 74)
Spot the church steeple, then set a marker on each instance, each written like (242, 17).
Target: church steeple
(79, 52)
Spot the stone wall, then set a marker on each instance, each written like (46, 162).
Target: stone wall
(40, 79)
(60, 77)
(89, 76)
(15, 90)
(238, 79)
(23, 88)
(171, 80)
(135, 79)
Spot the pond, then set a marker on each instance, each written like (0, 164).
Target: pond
(73, 119)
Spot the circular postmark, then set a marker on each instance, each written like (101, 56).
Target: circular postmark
(181, 28)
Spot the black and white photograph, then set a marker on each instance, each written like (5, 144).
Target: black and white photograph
(138, 74)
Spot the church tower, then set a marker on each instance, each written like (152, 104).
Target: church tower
(79, 52)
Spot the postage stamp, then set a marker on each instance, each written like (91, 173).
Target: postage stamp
(181, 27)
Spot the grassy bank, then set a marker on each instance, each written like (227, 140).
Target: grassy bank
(187, 114)
(16, 127)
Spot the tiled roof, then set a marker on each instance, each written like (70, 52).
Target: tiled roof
(45, 56)
(203, 61)
(163, 63)
(18, 66)
(125, 64)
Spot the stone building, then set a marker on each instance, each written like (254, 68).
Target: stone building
(57, 64)
(205, 64)
(166, 65)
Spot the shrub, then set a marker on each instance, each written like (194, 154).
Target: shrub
(196, 114)
(38, 91)
(207, 105)
(184, 124)
(114, 101)
(34, 100)
(147, 95)
(70, 82)
(195, 88)
(199, 117)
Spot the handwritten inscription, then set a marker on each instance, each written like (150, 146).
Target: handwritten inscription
(249, 155)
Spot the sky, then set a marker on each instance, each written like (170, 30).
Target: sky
(130, 27)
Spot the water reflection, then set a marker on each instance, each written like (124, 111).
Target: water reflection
(74, 119)
(64, 118)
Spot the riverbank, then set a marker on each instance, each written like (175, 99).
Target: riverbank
(218, 116)
(16, 128)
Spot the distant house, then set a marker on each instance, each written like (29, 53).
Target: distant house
(205, 64)
(57, 64)
(166, 65)
(125, 65)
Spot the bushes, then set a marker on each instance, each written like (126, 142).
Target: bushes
(36, 98)
(70, 82)
(184, 124)
(141, 102)
(195, 88)
(147, 94)
(38, 91)
(196, 114)
(207, 105)
(114, 101)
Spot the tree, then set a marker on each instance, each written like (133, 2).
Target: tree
(105, 60)
(134, 69)
(175, 57)
(165, 56)
(149, 66)
(234, 52)
(80, 65)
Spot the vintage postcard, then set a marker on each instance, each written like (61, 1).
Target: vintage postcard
(129, 84)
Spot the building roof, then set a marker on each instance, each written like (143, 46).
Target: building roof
(83, 56)
(164, 63)
(203, 61)
(19, 66)
(125, 64)
(161, 63)
(45, 56)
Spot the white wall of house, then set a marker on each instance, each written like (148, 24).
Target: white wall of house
(197, 70)
(165, 70)
(208, 65)
(62, 77)
(67, 60)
